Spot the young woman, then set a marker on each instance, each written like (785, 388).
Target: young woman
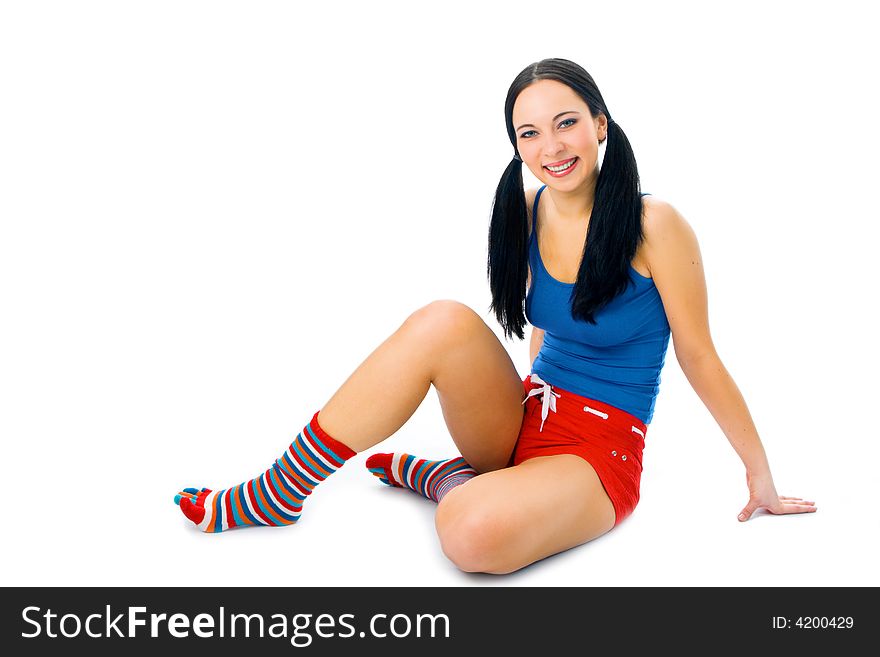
(555, 460)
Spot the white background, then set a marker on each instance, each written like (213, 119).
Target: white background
(212, 212)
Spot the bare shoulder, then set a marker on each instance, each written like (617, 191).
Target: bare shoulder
(661, 218)
(664, 227)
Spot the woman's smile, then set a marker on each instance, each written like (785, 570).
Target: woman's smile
(563, 169)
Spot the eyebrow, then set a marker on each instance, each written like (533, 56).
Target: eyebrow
(529, 125)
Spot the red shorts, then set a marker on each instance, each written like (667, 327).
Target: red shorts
(609, 439)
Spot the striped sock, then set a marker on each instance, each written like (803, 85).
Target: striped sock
(275, 497)
(432, 479)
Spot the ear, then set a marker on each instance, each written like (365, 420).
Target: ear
(601, 123)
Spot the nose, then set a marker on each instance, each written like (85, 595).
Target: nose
(553, 146)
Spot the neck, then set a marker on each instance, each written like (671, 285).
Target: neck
(571, 208)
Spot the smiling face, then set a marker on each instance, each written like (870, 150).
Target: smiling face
(554, 127)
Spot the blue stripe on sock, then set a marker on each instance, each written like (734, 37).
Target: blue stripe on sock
(449, 483)
(427, 465)
(298, 446)
(281, 489)
(450, 469)
(408, 463)
(459, 468)
(294, 467)
(244, 507)
(289, 488)
(264, 487)
(304, 445)
(285, 513)
(314, 437)
(277, 509)
(232, 494)
(449, 466)
(252, 485)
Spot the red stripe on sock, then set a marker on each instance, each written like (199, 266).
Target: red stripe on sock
(270, 482)
(451, 469)
(419, 483)
(296, 477)
(444, 471)
(276, 518)
(308, 470)
(342, 451)
(249, 490)
(287, 485)
(318, 470)
(233, 493)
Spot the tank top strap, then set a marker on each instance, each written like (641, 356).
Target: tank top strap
(535, 212)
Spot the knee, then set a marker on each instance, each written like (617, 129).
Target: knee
(469, 537)
(443, 320)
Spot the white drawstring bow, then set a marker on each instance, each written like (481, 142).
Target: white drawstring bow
(548, 400)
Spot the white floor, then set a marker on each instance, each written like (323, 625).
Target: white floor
(96, 509)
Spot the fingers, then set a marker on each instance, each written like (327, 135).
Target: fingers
(799, 506)
(793, 500)
(785, 505)
(747, 512)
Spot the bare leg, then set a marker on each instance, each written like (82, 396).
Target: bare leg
(503, 521)
(447, 344)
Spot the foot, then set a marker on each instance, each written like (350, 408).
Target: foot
(274, 498)
(430, 479)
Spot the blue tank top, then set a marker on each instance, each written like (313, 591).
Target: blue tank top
(616, 361)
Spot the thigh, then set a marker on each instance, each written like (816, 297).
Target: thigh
(479, 388)
(502, 521)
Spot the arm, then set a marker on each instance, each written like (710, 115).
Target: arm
(537, 340)
(721, 396)
(675, 262)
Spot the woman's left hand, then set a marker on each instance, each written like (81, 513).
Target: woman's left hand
(763, 495)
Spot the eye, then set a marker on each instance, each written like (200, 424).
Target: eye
(525, 135)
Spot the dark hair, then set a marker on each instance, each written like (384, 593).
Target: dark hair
(615, 229)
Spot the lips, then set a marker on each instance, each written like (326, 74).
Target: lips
(568, 166)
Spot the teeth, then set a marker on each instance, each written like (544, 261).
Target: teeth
(562, 168)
